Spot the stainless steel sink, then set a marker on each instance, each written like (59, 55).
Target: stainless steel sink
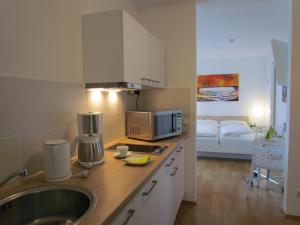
(50, 205)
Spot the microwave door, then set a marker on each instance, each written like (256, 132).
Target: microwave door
(163, 125)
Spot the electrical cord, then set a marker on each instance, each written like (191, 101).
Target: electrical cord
(137, 100)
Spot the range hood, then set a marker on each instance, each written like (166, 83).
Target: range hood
(126, 86)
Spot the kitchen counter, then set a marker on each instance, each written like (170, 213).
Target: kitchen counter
(113, 183)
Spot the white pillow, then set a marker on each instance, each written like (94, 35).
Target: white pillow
(232, 122)
(212, 122)
(207, 130)
(235, 130)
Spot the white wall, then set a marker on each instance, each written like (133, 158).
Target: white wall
(42, 39)
(292, 182)
(175, 26)
(251, 23)
(252, 90)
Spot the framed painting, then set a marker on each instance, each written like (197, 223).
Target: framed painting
(218, 87)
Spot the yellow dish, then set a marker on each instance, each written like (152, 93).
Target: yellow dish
(137, 160)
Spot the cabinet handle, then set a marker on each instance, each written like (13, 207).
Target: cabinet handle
(156, 81)
(180, 149)
(145, 79)
(130, 213)
(175, 171)
(146, 193)
(150, 80)
(170, 163)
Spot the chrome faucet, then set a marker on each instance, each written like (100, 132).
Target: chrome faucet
(21, 173)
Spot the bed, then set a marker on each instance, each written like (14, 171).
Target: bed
(225, 137)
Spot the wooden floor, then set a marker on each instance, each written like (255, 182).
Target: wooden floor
(221, 198)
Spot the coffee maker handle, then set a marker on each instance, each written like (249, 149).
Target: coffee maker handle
(74, 145)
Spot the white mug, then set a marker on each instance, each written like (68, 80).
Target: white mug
(122, 150)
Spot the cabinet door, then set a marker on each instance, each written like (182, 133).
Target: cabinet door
(177, 174)
(144, 55)
(156, 61)
(102, 47)
(147, 203)
(135, 47)
(180, 173)
(126, 216)
(167, 191)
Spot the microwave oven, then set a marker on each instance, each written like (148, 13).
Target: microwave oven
(154, 125)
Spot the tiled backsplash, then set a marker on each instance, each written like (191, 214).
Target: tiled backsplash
(33, 111)
(114, 106)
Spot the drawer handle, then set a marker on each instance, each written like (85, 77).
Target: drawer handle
(175, 171)
(154, 183)
(170, 163)
(180, 149)
(130, 213)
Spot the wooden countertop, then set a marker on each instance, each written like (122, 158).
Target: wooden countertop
(113, 183)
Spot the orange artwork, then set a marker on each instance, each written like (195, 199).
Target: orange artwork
(218, 87)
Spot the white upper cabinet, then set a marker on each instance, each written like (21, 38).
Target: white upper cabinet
(116, 48)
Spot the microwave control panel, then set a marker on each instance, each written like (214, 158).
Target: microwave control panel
(179, 122)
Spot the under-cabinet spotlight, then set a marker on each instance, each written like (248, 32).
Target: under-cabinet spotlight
(96, 95)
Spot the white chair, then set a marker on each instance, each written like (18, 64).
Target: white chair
(269, 155)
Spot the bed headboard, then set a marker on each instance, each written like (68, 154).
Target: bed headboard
(221, 118)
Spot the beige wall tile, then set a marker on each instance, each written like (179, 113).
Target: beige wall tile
(9, 155)
(46, 104)
(8, 104)
(110, 104)
(114, 128)
(42, 110)
(101, 101)
(128, 102)
(32, 145)
(123, 127)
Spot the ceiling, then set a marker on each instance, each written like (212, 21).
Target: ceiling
(143, 4)
(235, 28)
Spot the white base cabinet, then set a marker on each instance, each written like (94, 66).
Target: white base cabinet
(126, 216)
(178, 179)
(146, 203)
(172, 188)
(158, 201)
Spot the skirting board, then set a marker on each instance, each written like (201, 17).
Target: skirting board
(296, 218)
(223, 155)
(189, 203)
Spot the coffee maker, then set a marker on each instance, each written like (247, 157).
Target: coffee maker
(89, 139)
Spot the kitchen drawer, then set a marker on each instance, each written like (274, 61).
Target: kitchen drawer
(126, 216)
